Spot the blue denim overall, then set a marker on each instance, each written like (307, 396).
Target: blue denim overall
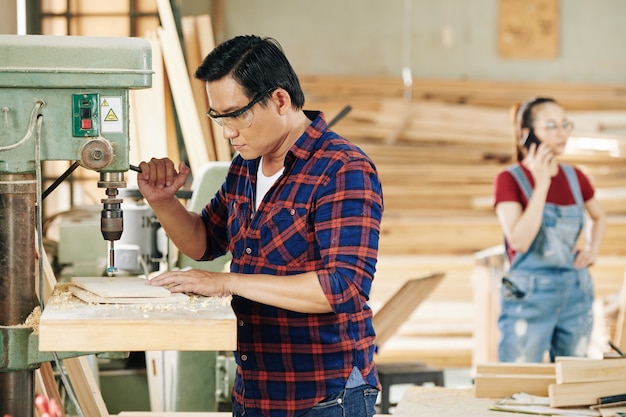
(546, 303)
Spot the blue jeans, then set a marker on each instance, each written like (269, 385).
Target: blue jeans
(350, 402)
(545, 312)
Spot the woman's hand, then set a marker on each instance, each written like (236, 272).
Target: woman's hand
(538, 163)
(584, 258)
(195, 281)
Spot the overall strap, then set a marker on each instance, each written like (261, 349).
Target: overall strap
(572, 179)
(522, 181)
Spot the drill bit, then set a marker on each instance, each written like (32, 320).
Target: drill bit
(112, 268)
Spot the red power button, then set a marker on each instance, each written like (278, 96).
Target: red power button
(85, 124)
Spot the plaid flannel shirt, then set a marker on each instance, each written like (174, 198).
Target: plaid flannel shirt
(323, 214)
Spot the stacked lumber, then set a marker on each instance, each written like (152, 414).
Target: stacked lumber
(437, 155)
(439, 152)
(492, 93)
(201, 137)
(567, 382)
(584, 382)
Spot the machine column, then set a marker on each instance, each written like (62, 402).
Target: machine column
(17, 280)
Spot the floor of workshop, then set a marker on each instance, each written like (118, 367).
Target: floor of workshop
(453, 378)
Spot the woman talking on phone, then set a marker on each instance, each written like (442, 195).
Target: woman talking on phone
(547, 293)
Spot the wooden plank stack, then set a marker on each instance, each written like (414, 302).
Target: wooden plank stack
(437, 155)
(568, 382)
(439, 152)
(584, 382)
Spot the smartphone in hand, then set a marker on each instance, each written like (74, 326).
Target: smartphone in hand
(530, 139)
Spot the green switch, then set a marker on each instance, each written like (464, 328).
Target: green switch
(85, 115)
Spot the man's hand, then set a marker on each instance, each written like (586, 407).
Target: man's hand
(195, 281)
(159, 180)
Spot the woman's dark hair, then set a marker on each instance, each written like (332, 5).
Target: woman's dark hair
(256, 63)
(524, 116)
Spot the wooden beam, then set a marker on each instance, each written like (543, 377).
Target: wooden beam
(402, 304)
(194, 58)
(207, 43)
(181, 88)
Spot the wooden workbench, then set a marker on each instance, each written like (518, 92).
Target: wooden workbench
(70, 324)
(445, 402)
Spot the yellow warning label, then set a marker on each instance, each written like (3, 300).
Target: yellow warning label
(111, 117)
(105, 103)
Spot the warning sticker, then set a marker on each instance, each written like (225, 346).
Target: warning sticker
(112, 115)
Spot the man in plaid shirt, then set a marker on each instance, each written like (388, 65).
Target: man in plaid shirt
(300, 211)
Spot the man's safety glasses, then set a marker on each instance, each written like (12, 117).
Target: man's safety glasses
(240, 118)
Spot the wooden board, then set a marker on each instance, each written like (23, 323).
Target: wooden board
(590, 370)
(89, 297)
(583, 393)
(202, 323)
(181, 88)
(118, 287)
(502, 386)
(402, 304)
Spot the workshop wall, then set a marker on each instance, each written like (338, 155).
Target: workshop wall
(8, 22)
(447, 39)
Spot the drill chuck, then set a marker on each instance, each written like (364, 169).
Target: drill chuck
(112, 221)
(111, 216)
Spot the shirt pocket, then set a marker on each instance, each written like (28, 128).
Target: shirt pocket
(286, 238)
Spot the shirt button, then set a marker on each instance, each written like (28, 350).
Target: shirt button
(240, 323)
(248, 251)
(244, 357)
(292, 212)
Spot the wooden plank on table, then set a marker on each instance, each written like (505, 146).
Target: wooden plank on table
(583, 393)
(206, 41)
(194, 58)
(590, 370)
(503, 386)
(402, 304)
(181, 88)
(89, 297)
(120, 287)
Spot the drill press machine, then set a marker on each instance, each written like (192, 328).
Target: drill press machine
(61, 98)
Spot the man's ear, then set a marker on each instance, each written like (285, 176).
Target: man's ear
(282, 100)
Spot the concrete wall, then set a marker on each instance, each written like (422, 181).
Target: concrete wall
(367, 37)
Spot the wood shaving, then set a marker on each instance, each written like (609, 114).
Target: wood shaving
(32, 320)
